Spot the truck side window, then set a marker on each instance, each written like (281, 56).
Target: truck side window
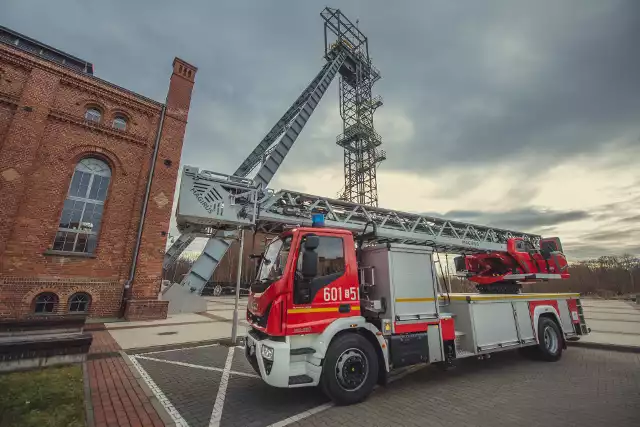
(520, 246)
(330, 256)
(331, 264)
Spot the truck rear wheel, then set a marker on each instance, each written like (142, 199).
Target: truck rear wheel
(550, 340)
(350, 369)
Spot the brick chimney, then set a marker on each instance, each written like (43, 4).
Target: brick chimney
(143, 302)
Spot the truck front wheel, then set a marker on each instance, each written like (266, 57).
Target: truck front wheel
(350, 369)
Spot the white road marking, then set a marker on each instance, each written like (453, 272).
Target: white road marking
(216, 414)
(171, 410)
(207, 368)
(175, 349)
(301, 415)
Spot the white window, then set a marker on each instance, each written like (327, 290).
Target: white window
(120, 123)
(82, 213)
(93, 115)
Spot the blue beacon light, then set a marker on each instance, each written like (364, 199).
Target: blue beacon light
(317, 220)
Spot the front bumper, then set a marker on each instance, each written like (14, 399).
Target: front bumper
(277, 372)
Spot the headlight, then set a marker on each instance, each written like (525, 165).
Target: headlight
(267, 352)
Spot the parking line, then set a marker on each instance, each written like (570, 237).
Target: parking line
(171, 410)
(216, 414)
(301, 415)
(175, 349)
(207, 368)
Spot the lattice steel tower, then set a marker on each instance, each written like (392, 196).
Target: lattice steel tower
(358, 138)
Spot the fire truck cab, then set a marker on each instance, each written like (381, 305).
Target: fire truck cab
(327, 311)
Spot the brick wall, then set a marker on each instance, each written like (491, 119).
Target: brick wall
(17, 295)
(43, 135)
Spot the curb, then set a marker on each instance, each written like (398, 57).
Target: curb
(88, 404)
(601, 346)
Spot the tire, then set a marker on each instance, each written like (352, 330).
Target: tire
(551, 340)
(350, 369)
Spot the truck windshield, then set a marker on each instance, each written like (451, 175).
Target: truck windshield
(274, 260)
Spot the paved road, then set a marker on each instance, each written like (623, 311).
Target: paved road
(208, 386)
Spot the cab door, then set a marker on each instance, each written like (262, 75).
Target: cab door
(331, 294)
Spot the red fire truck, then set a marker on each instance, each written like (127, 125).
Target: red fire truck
(338, 309)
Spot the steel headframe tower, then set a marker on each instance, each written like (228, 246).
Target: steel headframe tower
(359, 139)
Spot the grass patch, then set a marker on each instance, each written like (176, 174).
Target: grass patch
(50, 397)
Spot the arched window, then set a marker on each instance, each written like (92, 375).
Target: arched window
(120, 122)
(93, 115)
(45, 303)
(82, 212)
(79, 303)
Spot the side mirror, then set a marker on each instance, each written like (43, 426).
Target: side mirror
(309, 264)
(311, 242)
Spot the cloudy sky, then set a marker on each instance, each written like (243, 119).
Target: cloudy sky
(516, 114)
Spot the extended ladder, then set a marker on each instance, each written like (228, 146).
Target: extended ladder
(272, 212)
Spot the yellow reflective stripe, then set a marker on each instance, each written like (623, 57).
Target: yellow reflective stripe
(503, 297)
(415, 299)
(320, 309)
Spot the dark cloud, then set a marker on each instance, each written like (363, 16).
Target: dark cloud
(480, 81)
(525, 219)
(632, 219)
(609, 235)
(591, 251)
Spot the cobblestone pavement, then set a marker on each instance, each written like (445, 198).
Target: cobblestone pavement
(586, 387)
(211, 385)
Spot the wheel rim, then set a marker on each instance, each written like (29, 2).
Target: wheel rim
(550, 339)
(352, 369)
(217, 290)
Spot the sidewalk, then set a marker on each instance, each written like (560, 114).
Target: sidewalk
(214, 324)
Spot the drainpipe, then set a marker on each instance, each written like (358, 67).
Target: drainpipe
(134, 262)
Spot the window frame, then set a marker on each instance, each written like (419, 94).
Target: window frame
(85, 201)
(55, 302)
(87, 114)
(87, 303)
(121, 118)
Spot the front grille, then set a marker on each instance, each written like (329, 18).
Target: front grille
(260, 320)
(258, 335)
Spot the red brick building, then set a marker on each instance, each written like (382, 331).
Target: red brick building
(76, 156)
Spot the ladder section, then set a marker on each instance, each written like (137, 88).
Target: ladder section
(176, 249)
(262, 148)
(203, 268)
(293, 208)
(276, 157)
(584, 330)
